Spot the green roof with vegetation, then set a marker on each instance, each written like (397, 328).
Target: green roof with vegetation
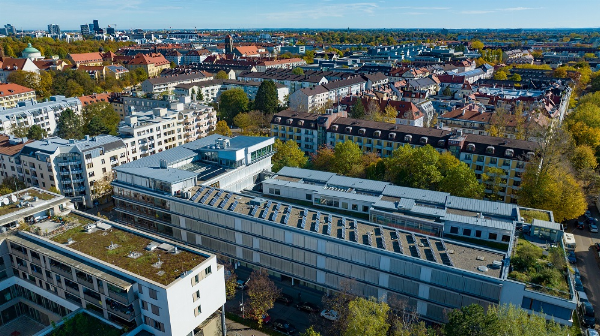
(84, 324)
(542, 270)
(530, 214)
(13, 207)
(96, 244)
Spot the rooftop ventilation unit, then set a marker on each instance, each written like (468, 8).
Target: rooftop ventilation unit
(152, 246)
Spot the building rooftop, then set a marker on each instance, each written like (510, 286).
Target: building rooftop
(131, 250)
(26, 202)
(354, 231)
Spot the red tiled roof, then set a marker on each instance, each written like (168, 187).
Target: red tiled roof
(93, 57)
(12, 89)
(7, 149)
(95, 98)
(154, 58)
(11, 63)
(247, 50)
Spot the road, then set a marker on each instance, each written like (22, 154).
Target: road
(587, 261)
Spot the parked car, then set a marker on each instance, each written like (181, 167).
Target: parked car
(242, 284)
(576, 272)
(284, 326)
(593, 228)
(285, 299)
(587, 313)
(307, 307)
(330, 315)
(582, 296)
(580, 224)
(572, 257)
(578, 284)
(591, 332)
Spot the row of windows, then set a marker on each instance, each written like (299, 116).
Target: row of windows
(478, 234)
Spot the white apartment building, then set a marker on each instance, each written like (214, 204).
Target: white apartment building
(80, 169)
(11, 94)
(31, 113)
(170, 289)
(212, 89)
(168, 83)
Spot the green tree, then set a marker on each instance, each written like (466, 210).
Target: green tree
(222, 128)
(298, 71)
(222, 75)
(476, 44)
(96, 126)
(199, 96)
(500, 75)
(232, 102)
(447, 91)
(100, 118)
(493, 178)
(460, 180)
(515, 77)
(369, 318)
(310, 332)
(517, 321)
(36, 132)
(242, 120)
(73, 89)
(358, 110)
(54, 190)
(262, 294)
(287, 154)
(266, 99)
(69, 125)
(471, 320)
(414, 167)
(345, 155)
(583, 158)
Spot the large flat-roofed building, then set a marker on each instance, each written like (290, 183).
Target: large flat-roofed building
(180, 193)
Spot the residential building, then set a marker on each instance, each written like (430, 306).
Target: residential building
(152, 63)
(286, 63)
(168, 83)
(312, 98)
(80, 169)
(174, 56)
(116, 71)
(249, 51)
(95, 98)
(212, 89)
(8, 65)
(44, 114)
(10, 162)
(91, 59)
(285, 77)
(49, 276)
(11, 94)
(195, 56)
(429, 273)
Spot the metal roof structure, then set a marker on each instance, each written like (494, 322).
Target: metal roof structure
(487, 207)
(545, 224)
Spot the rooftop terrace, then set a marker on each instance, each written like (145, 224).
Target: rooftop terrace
(163, 263)
(26, 202)
(414, 245)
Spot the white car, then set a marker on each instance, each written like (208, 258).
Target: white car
(591, 332)
(593, 228)
(330, 315)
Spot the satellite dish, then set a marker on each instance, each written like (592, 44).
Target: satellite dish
(13, 198)
(5, 201)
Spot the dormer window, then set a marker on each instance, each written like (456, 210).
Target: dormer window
(471, 147)
(334, 127)
(300, 122)
(289, 121)
(509, 153)
(423, 140)
(529, 155)
(348, 129)
(362, 131)
(377, 134)
(441, 143)
(489, 150)
(392, 136)
(408, 138)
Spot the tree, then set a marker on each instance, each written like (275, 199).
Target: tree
(493, 178)
(390, 114)
(100, 118)
(11, 184)
(263, 293)
(459, 179)
(358, 110)
(346, 155)
(242, 120)
(471, 320)
(73, 89)
(54, 190)
(476, 44)
(373, 111)
(560, 72)
(447, 91)
(584, 158)
(369, 318)
(414, 167)
(338, 301)
(310, 331)
(199, 95)
(69, 125)
(222, 128)
(267, 98)
(515, 77)
(173, 65)
(584, 135)
(287, 154)
(322, 159)
(102, 187)
(36, 132)
(222, 75)
(298, 71)
(500, 75)
(96, 126)
(232, 102)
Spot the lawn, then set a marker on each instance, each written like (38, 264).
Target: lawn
(83, 324)
(530, 264)
(73, 218)
(41, 195)
(530, 214)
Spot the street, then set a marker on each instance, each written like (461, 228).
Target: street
(587, 261)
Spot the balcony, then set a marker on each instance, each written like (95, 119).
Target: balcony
(67, 163)
(85, 282)
(64, 272)
(72, 290)
(118, 297)
(126, 313)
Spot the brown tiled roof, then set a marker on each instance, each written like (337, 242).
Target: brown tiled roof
(247, 50)
(7, 149)
(154, 58)
(13, 89)
(11, 63)
(86, 57)
(95, 98)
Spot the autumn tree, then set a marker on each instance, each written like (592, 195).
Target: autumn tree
(322, 159)
(339, 302)
(222, 128)
(287, 154)
(263, 293)
(471, 320)
(493, 179)
(477, 44)
(222, 75)
(458, 178)
(369, 318)
(310, 331)
(346, 155)
(500, 75)
(232, 102)
(389, 114)
(583, 158)
(298, 71)
(242, 120)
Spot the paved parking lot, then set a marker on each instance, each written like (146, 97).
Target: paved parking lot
(588, 262)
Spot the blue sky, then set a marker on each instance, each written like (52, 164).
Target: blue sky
(233, 14)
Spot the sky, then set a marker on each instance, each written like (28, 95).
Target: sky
(239, 14)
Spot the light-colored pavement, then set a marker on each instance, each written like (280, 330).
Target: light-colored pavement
(236, 329)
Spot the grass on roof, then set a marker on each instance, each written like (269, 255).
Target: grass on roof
(530, 214)
(41, 195)
(96, 244)
(83, 324)
(545, 270)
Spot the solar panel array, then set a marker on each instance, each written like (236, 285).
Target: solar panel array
(233, 205)
(197, 194)
(203, 199)
(370, 238)
(317, 221)
(224, 201)
(445, 256)
(253, 211)
(274, 214)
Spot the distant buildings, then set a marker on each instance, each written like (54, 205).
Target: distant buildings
(212, 89)
(153, 64)
(53, 29)
(85, 29)
(168, 83)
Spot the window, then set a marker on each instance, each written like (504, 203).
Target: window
(493, 161)
(144, 305)
(104, 170)
(198, 310)
(196, 295)
(153, 293)
(277, 191)
(155, 310)
(90, 165)
(309, 197)
(506, 238)
(208, 270)
(493, 236)
(467, 232)
(344, 205)
(355, 207)
(271, 190)
(103, 161)
(480, 158)
(478, 233)
(454, 229)
(140, 289)
(365, 208)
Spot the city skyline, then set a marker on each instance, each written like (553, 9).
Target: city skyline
(177, 14)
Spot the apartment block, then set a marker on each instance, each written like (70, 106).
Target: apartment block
(212, 89)
(168, 83)
(11, 94)
(10, 151)
(44, 114)
(137, 280)
(193, 198)
(80, 169)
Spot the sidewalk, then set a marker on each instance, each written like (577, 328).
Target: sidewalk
(237, 329)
